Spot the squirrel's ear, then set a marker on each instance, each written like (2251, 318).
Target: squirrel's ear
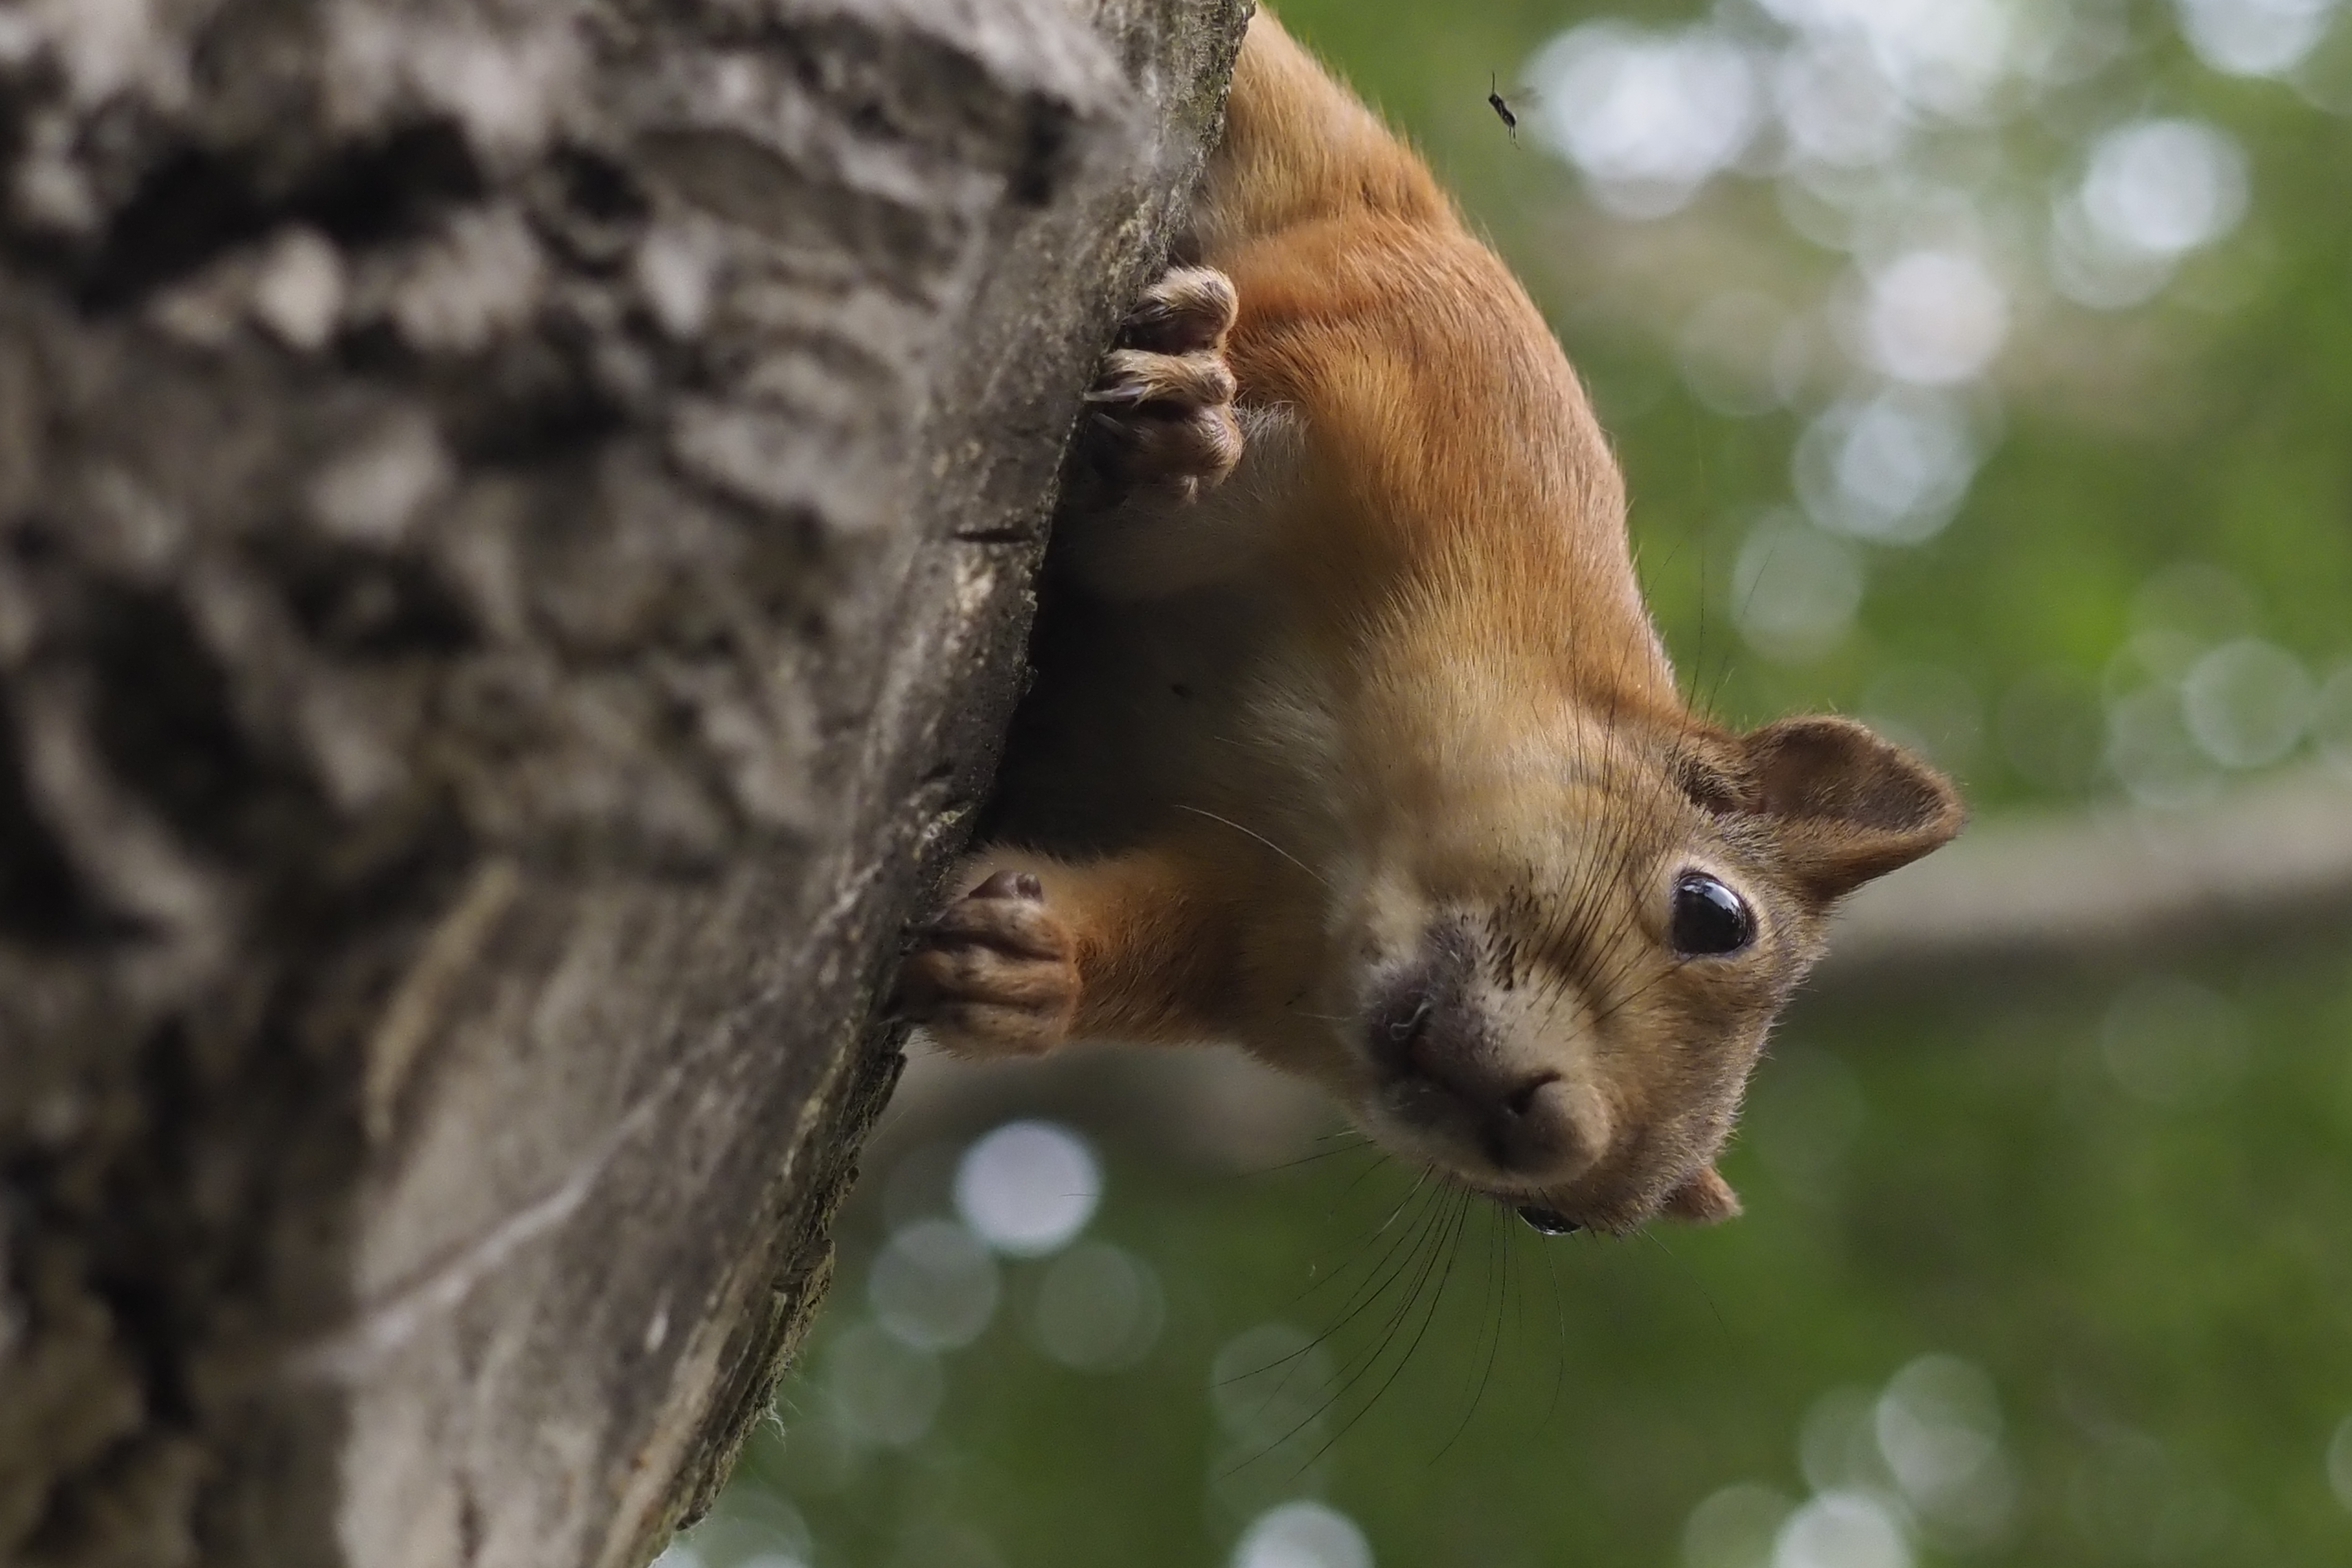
(1705, 1199)
(1844, 805)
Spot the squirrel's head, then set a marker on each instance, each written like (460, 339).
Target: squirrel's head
(1551, 980)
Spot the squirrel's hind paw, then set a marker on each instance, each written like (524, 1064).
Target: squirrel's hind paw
(996, 973)
(1163, 403)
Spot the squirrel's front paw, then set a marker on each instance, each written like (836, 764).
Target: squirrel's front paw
(1164, 405)
(996, 973)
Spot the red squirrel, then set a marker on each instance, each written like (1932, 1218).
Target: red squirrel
(1353, 741)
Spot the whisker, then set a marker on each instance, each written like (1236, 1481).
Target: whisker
(1358, 1248)
(1432, 1240)
(1319, 1155)
(1262, 838)
(1362, 1297)
(1452, 1237)
(1559, 1328)
(1722, 1327)
(1493, 1342)
(1413, 1244)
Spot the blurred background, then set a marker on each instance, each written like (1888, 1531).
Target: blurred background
(1983, 368)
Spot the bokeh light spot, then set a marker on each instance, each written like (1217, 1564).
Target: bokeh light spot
(1835, 106)
(749, 1527)
(886, 1391)
(1303, 1535)
(1646, 117)
(1939, 1428)
(1734, 1528)
(933, 1285)
(1794, 589)
(2331, 719)
(1891, 468)
(1028, 1188)
(1944, 57)
(2194, 600)
(1837, 1443)
(1270, 1385)
(2247, 702)
(1843, 1529)
(2164, 187)
(1099, 1309)
(2253, 37)
(1934, 318)
(2151, 753)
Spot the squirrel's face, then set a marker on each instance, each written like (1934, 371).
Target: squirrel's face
(1558, 1001)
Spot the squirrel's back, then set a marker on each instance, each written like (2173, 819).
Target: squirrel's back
(1454, 456)
(1298, 148)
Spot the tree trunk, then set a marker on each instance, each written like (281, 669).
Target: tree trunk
(516, 519)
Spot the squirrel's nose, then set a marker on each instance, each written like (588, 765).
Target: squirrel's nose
(1526, 1119)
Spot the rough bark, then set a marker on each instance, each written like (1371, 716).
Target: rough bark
(515, 527)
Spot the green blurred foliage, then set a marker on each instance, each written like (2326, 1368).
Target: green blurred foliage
(2206, 425)
(2152, 1275)
(2120, 1202)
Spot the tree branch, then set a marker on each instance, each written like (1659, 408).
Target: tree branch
(2048, 892)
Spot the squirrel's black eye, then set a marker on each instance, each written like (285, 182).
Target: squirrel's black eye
(1709, 919)
(1550, 1222)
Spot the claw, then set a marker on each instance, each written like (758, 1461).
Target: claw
(1163, 407)
(1010, 885)
(995, 973)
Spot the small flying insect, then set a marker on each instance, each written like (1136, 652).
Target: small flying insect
(1502, 108)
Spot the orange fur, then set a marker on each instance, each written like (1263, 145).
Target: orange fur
(1368, 757)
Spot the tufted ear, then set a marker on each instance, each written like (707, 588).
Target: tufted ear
(1845, 805)
(1705, 1199)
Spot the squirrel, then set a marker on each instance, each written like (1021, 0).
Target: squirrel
(1353, 741)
